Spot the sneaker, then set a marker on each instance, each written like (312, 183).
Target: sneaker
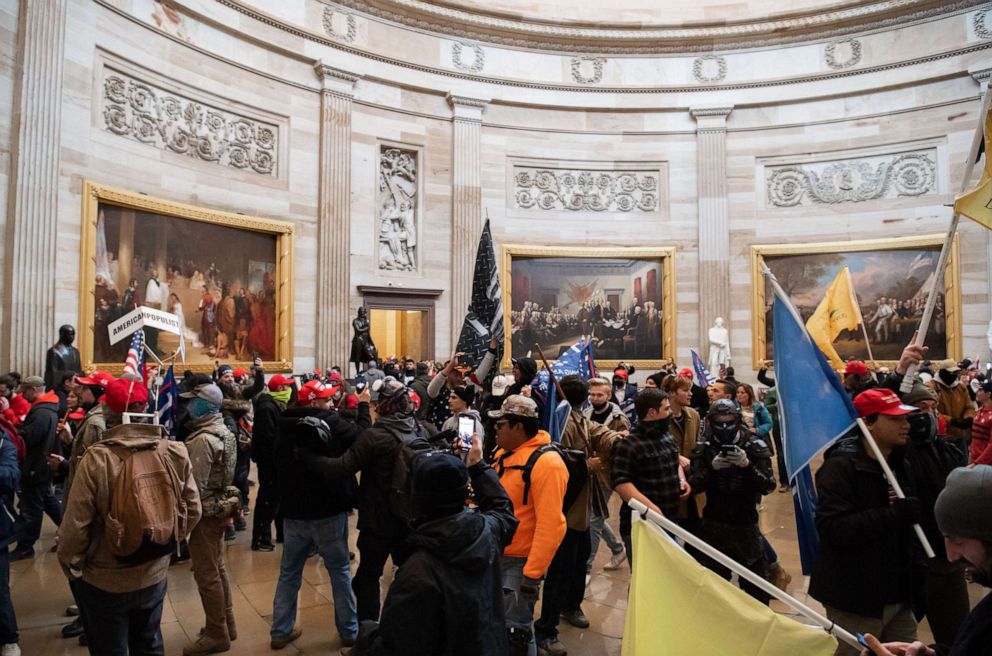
(10, 649)
(616, 561)
(73, 629)
(229, 533)
(551, 647)
(279, 642)
(261, 545)
(576, 618)
(22, 554)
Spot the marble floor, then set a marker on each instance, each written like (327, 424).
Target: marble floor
(40, 595)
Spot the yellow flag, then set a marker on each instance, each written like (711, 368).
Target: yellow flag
(677, 606)
(836, 312)
(977, 203)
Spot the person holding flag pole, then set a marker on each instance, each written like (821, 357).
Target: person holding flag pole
(976, 205)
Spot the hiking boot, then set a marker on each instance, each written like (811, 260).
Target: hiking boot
(73, 629)
(278, 642)
(616, 561)
(72, 611)
(551, 647)
(207, 645)
(780, 578)
(576, 618)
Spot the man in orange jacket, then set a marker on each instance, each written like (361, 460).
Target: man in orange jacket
(542, 523)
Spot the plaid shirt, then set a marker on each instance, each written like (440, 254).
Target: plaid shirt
(649, 459)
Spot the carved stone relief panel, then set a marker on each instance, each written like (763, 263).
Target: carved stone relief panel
(842, 54)
(906, 174)
(980, 21)
(397, 204)
(709, 69)
(462, 61)
(145, 112)
(340, 25)
(585, 190)
(588, 70)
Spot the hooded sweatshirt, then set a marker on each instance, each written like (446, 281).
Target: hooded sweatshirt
(38, 432)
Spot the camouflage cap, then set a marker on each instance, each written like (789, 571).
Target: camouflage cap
(517, 405)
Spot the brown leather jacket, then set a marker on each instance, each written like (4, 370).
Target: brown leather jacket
(595, 440)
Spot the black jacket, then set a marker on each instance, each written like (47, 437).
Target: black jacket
(268, 412)
(975, 635)
(302, 493)
(373, 454)
(38, 432)
(732, 494)
(931, 459)
(447, 599)
(419, 385)
(869, 555)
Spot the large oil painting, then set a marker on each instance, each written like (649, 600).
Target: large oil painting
(225, 276)
(891, 279)
(621, 298)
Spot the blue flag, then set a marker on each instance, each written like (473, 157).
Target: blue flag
(703, 376)
(168, 401)
(814, 410)
(576, 360)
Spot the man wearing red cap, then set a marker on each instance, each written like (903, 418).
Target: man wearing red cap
(121, 602)
(269, 407)
(857, 378)
(624, 393)
(866, 572)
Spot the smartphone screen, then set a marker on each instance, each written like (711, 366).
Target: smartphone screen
(466, 426)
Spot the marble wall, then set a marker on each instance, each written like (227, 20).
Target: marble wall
(712, 144)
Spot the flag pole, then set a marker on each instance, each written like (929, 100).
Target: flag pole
(927, 549)
(861, 318)
(745, 573)
(921, 334)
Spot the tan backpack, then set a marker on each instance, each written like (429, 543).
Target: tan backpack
(148, 516)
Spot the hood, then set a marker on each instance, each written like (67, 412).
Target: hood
(134, 436)
(457, 540)
(48, 397)
(213, 423)
(473, 413)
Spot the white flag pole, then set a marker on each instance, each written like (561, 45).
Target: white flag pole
(745, 573)
(938, 276)
(927, 549)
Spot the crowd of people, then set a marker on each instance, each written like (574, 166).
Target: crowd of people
(458, 484)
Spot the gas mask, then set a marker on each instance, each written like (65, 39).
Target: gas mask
(922, 426)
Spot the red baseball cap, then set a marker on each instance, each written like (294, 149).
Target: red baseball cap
(856, 367)
(97, 378)
(121, 393)
(278, 381)
(880, 401)
(416, 400)
(621, 372)
(314, 390)
(685, 372)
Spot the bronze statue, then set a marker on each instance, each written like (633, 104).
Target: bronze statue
(362, 347)
(63, 356)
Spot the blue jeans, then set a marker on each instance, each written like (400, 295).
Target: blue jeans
(37, 501)
(122, 623)
(8, 621)
(519, 611)
(599, 528)
(330, 536)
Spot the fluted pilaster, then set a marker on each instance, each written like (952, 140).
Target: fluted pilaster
(466, 220)
(34, 185)
(334, 217)
(714, 228)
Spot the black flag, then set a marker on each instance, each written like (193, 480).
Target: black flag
(485, 313)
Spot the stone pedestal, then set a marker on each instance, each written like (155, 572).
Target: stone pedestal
(714, 229)
(30, 279)
(466, 219)
(334, 217)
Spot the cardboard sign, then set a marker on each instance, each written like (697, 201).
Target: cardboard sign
(139, 318)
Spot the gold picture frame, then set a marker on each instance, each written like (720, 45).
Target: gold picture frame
(927, 243)
(280, 342)
(664, 256)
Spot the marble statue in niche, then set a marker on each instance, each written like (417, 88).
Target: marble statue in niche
(397, 206)
(719, 346)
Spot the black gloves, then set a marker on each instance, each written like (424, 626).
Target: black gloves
(530, 589)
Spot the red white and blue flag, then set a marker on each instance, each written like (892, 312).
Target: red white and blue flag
(703, 377)
(134, 366)
(166, 408)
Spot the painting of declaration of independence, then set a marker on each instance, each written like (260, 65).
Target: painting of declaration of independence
(220, 280)
(891, 280)
(619, 302)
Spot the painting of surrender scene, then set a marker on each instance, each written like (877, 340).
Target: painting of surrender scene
(891, 280)
(620, 302)
(219, 280)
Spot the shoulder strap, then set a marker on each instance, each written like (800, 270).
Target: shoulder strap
(529, 467)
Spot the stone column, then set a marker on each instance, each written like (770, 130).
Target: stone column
(466, 215)
(714, 229)
(334, 217)
(31, 251)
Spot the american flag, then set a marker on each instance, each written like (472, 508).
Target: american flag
(165, 410)
(485, 313)
(135, 363)
(703, 376)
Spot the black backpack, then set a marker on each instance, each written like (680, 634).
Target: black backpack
(410, 447)
(575, 463)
